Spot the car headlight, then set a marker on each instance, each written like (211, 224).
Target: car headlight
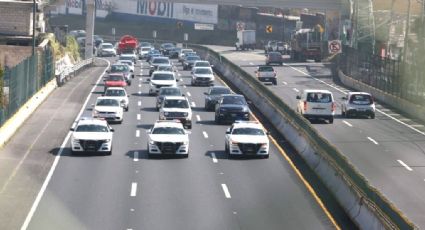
(107, 140)
(233, 142)
(185, 142)
(166, 113)
(245, 109)
(151, 142)
(264, 145)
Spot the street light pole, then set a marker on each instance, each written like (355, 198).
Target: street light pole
(406, 32)
(33, 27)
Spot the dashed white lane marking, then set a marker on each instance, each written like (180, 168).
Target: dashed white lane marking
(214, 158)
(284, 82)
(347, 123)
(372, 140)
(226, 191)
(251, 63)
(184, 86)
(140, 85)
(133, 191)
(136, 156)
(296, 90)
(188, 94)
(400, 121)
(140, 92)
(193, 104)
(139, 116)
(205, 134)
(404, 165)
(198, 118)
(137, 133)
(139, 103)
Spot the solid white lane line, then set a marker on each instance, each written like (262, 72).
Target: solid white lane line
(296, 90)
(404, 165)
(136, 156)
(284, 82)
(138, 116)
(137, 133)
(205, 134)
(139, 103)
(56, 161)
(198, 118)
(226, 191)
(373, 141)
(400, 121)
(133, 191)
(188, 94)
(347, 123)
(214, 158)
(193, 104)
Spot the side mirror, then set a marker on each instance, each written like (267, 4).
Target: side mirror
(256, 71)
(205, 93)
(344, 98)
(112, 130)
(249, 102)
(228, 131)
(72, 129)
(298, 97)
(183, 95)
(148, 79)
(148, 131)
(108, 71)
(191, 72)
(177, 80)
(267, 133)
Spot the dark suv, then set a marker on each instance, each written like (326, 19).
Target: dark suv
(231, 107)
(274, 58)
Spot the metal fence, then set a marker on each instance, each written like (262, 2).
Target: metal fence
(406, 81)
(24, 80)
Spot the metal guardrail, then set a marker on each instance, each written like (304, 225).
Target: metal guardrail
(69, 73)
(370, 196)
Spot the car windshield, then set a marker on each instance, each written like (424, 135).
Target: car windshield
(164, 68)
(162, 77)
(319, 97)
(186, 51)
(193, 58)
(145, 44)
(361, 99)
(130, 63)
(190, 54)
(202, 64)
(176, 103)
(217, 91)
(154, 52)
(107, 46)
(247, 131)
(126, 58)
(160, 61)
(234, 100)
(168, 130)
(202, 71)
(265, 69)
(170, 91)
(119, 68)
(107, 102)
(115, 92)
(91, 128)
(146, 49)
(115, 78)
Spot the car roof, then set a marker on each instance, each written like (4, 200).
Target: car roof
(247, 124)
(317, 91)
(126, 55)
(107, 43)
(363, 93)
(107, 97)
(162, 71)
(89, 120)
(202, 61)
(233, 95)
(201, 67)
(169, 87)
(175, 98)
(170, 123)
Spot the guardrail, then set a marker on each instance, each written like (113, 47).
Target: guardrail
(70, 72)
(377, 204)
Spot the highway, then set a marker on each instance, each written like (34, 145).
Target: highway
(129, 191)
(389, 150)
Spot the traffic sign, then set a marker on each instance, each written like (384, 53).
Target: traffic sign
(202, 26)
(269, 29)
(154, 34)
(186, 36)
(335, 47)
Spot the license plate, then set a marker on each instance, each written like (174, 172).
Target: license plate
(266, 79)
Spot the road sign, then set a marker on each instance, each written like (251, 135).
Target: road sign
(240, 26)
(335, 47)
(154, 34)
(186, 36)
(269, 29)
(113, 31)
(202, 26)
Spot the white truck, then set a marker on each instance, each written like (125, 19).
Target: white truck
(245, 40)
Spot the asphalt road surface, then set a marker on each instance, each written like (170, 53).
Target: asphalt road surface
(389, 150)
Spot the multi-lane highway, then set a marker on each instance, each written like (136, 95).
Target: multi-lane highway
(389, 150)
(127, 190)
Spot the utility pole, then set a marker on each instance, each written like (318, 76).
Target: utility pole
(34, 5)
(406, 32)
(389, 26)
(90, 15)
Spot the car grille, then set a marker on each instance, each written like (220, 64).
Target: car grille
(168, 147)
(104, 113)
(203, 79)
(233, 110)
(91, 145)
(175, 114)
(159, 86)
(248, 148)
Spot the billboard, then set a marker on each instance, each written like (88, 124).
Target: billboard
(196, 13)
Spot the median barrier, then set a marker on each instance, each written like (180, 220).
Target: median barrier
(366, 206)
(66, 72)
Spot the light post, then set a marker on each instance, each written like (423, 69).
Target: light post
(33, 27)
(406, 34)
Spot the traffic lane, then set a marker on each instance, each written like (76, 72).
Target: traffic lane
(252, 181)
(25, 160)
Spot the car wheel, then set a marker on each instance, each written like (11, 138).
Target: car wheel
(372, 116)
(265, 156)
(109, 153)
(343, 113)
(275, 82)
(190, 125)
(226, 150)
(331, 120)
(126, 109)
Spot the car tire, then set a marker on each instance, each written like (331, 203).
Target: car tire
(274, 82)
(109, 153)
(190, 125)
(126, 109)
(265, 156)
(372, 116)
(331, 120)
(217, 120)
(343, 113)
(226, 150)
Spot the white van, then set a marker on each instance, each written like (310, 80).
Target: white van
(316, 104)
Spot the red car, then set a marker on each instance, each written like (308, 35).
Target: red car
(114, 80)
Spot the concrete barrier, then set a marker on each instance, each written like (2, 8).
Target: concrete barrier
(408, 107)
(365, 211)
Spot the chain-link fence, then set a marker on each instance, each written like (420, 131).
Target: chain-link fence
(387, 74)
(22, 81)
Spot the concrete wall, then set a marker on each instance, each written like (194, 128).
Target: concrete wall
(16, 18)
(410, 108)
(10, 56)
